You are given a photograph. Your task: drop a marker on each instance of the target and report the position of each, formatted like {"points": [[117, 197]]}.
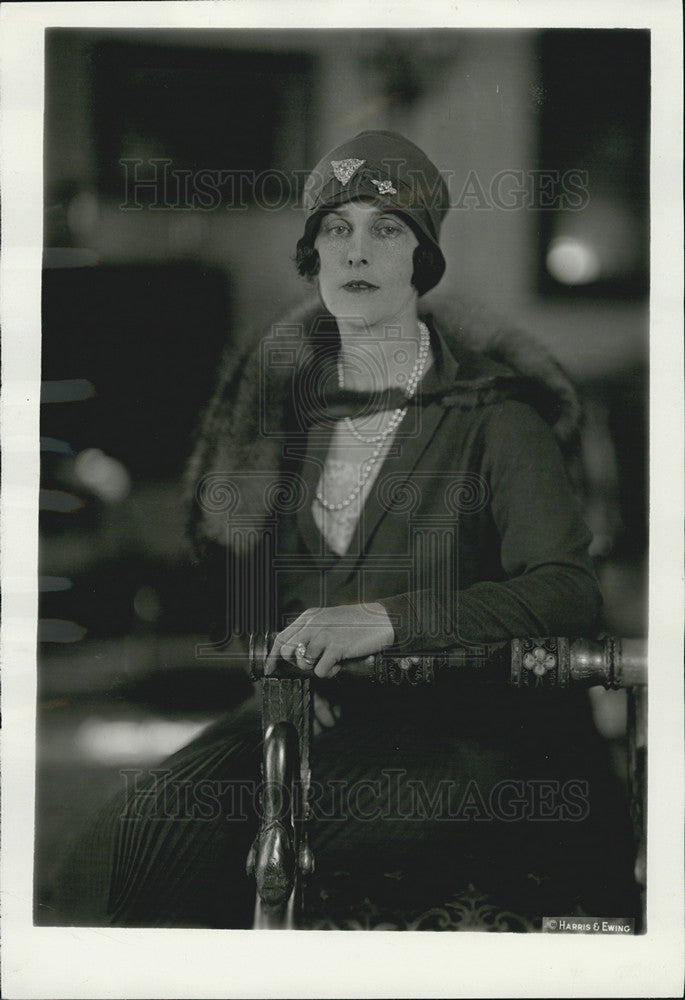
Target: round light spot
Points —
{"points": [[573, 262], [105, 476]]}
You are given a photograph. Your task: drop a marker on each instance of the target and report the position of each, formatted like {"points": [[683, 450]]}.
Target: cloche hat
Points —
{"points": [[389, 168]]}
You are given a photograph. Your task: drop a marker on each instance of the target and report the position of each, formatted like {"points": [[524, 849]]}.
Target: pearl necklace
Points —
{"points": [[379, 439]]}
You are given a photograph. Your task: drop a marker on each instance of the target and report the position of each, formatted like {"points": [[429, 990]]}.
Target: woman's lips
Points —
{"points": [[359, 286]]}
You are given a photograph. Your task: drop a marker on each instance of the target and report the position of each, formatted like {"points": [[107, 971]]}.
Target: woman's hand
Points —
{"points": [[330, 635]]}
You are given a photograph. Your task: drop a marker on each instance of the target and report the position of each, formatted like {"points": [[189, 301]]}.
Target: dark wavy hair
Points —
{"points": [[427, 266]]}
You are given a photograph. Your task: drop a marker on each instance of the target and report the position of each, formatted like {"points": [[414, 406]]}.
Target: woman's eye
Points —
{"points": [[389, 229], [337, 229]]}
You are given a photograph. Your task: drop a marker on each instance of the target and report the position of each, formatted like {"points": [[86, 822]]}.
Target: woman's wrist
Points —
{"points": [[379, 609], [402, 619]]}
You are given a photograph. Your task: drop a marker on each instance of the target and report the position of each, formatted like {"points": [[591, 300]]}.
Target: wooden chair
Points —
{"points": [[280, 858]]}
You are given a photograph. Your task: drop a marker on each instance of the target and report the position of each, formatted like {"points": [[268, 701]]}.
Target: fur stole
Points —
{"points": [[237, 462]]}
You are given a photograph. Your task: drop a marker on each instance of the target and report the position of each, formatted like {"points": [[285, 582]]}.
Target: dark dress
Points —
{"points": [[471, 534]]}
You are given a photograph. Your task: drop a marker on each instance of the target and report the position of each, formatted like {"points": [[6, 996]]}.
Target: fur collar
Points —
{"points": [[238, 456]]}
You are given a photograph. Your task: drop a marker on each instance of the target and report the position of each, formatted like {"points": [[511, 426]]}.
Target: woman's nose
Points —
{"points": [[357, 251]]}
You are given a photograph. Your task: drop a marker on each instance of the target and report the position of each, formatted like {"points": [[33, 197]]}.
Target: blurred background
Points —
{"points": [[174, 164]]}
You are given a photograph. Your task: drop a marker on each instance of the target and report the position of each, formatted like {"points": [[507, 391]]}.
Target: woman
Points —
{"points": [[375, 476]]}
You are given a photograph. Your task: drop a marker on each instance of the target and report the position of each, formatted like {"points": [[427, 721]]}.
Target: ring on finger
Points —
{"points": [[301, 653]]}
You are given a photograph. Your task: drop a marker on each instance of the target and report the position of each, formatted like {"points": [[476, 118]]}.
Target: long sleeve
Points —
{"points": [[550, 587]]}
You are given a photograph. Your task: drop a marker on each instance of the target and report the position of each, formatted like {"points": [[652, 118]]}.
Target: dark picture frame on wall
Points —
{"points": [[593, 130]]}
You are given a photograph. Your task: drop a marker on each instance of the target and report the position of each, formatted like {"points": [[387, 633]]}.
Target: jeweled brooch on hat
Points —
{"points": [[344, 170], [384, 187]]}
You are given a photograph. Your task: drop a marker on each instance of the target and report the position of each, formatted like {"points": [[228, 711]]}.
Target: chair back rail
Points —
{"points": [[528, 662]]}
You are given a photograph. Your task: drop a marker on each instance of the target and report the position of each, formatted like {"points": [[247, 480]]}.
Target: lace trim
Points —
{"points": [[337, 481]]}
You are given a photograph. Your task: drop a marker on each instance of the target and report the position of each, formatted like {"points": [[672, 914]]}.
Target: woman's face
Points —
{"points": [[367, 263]]}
